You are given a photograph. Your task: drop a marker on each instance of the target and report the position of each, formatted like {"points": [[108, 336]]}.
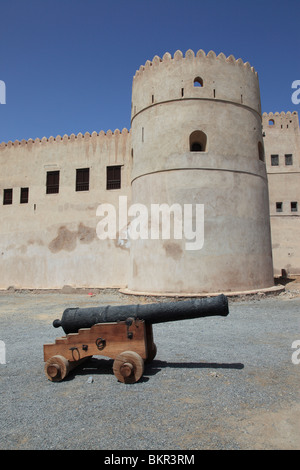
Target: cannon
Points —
{"points": [[123, 333]]}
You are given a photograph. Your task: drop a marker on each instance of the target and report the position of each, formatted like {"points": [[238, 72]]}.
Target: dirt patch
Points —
{"points": [[271, 429]]}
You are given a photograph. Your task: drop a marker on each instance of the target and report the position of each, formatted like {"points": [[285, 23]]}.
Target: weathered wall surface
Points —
{"points": [[282, 137], [228, 176], [51, 241]]}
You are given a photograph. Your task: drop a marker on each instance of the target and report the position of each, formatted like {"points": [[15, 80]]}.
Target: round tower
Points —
{"points": [[197, 145]]}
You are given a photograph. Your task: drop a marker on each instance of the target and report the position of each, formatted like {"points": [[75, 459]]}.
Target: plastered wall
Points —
{"points": [[51, 241], [282, 138]]}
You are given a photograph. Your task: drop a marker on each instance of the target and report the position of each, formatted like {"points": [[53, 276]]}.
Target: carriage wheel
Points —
{"points": [[57, 368], [128, 367]]}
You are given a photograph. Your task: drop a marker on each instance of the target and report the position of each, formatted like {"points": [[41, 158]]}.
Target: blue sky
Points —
{"points": [[68, 64]]}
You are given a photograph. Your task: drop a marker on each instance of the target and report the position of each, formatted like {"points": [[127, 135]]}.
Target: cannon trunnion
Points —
{"points": [[123, 333]]}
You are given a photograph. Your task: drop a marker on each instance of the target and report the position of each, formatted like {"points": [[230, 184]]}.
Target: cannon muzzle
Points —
{"points": [[75, 318]]}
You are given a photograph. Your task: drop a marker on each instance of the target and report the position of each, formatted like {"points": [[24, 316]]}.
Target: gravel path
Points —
{"points": [[216, 383]]}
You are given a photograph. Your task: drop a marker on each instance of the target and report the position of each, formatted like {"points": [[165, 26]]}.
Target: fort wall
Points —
{"points": [[282, 147], [51, 240]]}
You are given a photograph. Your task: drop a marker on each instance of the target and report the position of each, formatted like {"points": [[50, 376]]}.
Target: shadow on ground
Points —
{"points": [[100, 366]]}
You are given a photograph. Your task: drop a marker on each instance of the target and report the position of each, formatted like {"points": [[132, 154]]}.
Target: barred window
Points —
{"points": [[288, 159], [82, 179], [274, 160], [24, 195], [52, 182], [294, 206], [113, 177], [7, 196]]}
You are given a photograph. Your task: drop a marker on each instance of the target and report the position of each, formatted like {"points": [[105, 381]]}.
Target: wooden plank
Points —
{"points": [[113, 337]]}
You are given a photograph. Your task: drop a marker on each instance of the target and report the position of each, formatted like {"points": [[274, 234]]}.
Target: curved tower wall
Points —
{"points": [[228, 176]]}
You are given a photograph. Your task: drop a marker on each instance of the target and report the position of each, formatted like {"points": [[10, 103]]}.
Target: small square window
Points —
{"points": [[52, 183], [113, 177], [83, 179], [7, 196], [288, 159], [278, 206], [294, 206], [24, 194], [274, 160]]}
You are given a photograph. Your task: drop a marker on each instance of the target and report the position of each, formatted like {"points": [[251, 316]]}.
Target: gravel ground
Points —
{"points": [[216, 383]]}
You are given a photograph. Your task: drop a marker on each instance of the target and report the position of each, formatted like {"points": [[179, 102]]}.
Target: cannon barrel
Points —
{"points": [[75, 318]]}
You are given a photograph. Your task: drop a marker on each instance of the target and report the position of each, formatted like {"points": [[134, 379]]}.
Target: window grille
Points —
{"points": [[83, 179], [24, 194], [113, 177], [7, 196], [52, 183]]}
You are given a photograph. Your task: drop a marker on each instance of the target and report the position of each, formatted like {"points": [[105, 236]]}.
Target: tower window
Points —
{"points": [[198, 82], [271, 122], [278, 206], [261, 153], [198, 141], [294, 207], [7, 196], [113, 177], [24, 195], [274, 160], [288, 159], [82, 179], [52, 182]]}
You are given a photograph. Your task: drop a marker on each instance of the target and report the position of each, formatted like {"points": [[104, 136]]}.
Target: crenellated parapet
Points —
{"points": [[279, 121], [195, 76], [189, 55], [87, 136]]}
